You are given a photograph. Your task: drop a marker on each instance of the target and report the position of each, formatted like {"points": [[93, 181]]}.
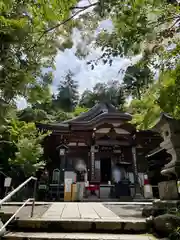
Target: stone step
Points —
{"points": [[81, 225], [73, 236]]}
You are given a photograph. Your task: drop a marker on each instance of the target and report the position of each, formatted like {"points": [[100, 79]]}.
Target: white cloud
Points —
{"points": [[86, 77]]}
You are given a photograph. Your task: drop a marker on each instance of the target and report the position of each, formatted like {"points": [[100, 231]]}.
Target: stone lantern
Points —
{"points": [[169, 129]]}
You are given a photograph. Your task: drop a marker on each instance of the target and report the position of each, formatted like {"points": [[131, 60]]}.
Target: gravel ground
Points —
{"points": [[25, 212], [126, 211]]}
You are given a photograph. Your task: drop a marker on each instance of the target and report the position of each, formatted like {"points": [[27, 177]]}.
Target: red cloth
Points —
{"points": [[146, 181], [92, 187]]}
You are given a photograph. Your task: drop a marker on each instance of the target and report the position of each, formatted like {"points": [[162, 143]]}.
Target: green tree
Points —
{"points": [[169, 92], [162, 96], [111, 92], [87, 99], [28, 43], [137, 79], [67, 97], [26, 140], [146, 110], [32, 115], [146, 27]]}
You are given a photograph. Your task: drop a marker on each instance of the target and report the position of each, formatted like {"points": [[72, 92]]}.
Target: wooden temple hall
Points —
{"points": [[104, 146]]}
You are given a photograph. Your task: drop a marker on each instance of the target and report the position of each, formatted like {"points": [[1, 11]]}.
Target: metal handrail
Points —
{"points": [[17, 189], [13, 216], [28, 200]]}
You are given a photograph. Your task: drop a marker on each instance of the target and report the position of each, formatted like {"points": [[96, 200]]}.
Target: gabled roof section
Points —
{"points": [[98, 110], [52, 126]]}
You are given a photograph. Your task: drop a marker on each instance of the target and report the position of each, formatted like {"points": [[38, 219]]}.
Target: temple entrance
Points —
{"points": [[105, 170]]}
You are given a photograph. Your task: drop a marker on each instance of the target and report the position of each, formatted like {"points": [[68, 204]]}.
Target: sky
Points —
{"points": [[85, 77]]}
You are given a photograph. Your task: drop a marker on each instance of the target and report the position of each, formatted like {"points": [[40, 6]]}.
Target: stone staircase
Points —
{"points": [[106, 225]]}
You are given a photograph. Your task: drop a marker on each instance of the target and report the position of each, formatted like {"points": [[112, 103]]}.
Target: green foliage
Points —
{"points": [[137, 79], [87, 30], [150, 28], [67, 96], [139, 26], [28, 43], [60, 116], [32, 115], [162, 96], [146, 111], [78, 110], [169, 98], [27, 141], [111, 92]]}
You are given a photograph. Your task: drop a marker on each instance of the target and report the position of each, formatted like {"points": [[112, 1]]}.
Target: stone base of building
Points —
{"points": [[168, 190]]}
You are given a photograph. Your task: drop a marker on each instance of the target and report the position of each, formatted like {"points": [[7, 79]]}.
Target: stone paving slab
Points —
{"points": [[126, 211], [78, 211], [54, 211], [87, 212], [71, 211], [25, 212], [104, 212], [73, 236]]}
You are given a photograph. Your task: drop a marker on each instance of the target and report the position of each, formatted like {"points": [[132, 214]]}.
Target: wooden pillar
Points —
{"points": [[62, 167], [89, 166], [92, 163], [138, 194], [93, 155]]}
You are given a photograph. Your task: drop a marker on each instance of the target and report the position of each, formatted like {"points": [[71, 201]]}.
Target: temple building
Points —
{"points": [[102, 143]]}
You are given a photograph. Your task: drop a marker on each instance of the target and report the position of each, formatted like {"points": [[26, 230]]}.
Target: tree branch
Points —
{"points": [[68, 19], [84, 7], [177, 20], [64, 22]]}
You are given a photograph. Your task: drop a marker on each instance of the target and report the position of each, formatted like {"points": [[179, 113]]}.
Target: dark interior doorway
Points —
{"points": [[105, 170]]}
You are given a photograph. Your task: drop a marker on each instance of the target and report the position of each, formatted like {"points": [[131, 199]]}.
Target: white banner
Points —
{"points": [[7, 182], [68, 183]]}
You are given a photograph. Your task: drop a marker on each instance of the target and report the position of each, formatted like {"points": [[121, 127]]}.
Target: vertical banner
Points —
{"points": [[92, 165]]}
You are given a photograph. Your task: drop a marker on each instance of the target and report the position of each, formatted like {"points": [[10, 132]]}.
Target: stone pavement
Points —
{"points": [[79, 211], [78, 236], [127, 210], [111, 203]]}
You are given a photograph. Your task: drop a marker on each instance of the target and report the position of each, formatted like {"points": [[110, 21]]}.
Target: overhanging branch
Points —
{"points": [[64, 22], [68, 19]]}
